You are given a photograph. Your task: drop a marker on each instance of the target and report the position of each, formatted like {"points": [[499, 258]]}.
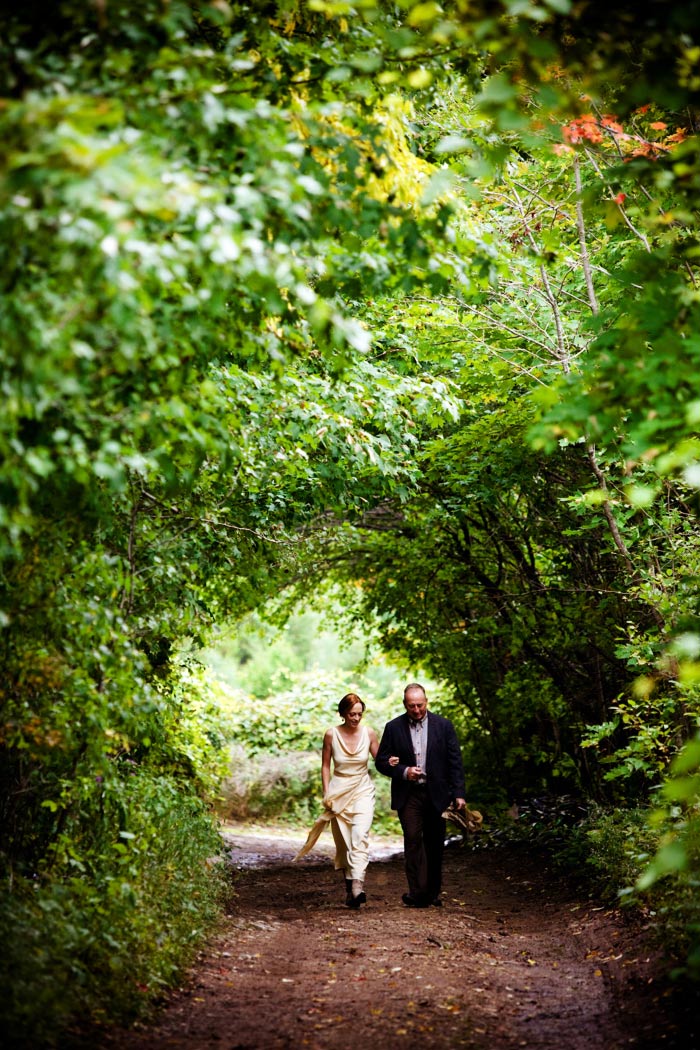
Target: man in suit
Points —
{"points": [[420, 752]]}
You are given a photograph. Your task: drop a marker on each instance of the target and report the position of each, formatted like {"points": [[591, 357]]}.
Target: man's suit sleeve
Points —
{"points": [[387, 748], [455, 767]]}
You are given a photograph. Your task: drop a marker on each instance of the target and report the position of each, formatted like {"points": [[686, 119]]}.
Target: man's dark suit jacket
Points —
{"points": [[443, 761]]}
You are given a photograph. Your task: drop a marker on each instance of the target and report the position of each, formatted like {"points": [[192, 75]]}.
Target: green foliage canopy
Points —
{"points": [[300, 289]]}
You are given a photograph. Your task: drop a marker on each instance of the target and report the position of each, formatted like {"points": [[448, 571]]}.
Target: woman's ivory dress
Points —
{"points": [[349, 806]]}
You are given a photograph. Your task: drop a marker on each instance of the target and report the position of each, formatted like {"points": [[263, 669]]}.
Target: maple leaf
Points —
{"points": [[583, 129], [610, 123]]}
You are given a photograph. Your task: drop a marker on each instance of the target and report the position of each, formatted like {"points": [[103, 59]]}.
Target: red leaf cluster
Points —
{"points": [[593, 130], [589, 128]]}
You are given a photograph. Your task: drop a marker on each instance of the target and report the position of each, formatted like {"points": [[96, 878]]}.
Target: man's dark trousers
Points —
{"points": [[424, 842]]}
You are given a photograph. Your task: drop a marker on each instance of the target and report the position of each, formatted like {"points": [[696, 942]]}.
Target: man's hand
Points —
{"points": [[460, 803], [413, 772]]}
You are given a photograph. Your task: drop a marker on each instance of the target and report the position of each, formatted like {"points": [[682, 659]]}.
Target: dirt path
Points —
{"points": [[512, 959]]}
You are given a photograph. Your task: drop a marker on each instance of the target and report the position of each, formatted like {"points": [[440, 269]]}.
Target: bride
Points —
{"points": [[348, 796]]}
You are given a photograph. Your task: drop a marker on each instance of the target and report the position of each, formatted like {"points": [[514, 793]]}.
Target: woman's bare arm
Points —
{"points": [[326, 761]]}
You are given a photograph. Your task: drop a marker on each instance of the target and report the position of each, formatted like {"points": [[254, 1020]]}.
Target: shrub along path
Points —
{"points": [[514, 958]]}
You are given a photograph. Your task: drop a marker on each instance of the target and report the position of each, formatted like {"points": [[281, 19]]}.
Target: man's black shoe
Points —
{"points": [[436, 902], [414, 902]]}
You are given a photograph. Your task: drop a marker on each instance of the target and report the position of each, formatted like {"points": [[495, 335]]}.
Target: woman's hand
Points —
{"points": [[327, 804], [394, 760]]}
